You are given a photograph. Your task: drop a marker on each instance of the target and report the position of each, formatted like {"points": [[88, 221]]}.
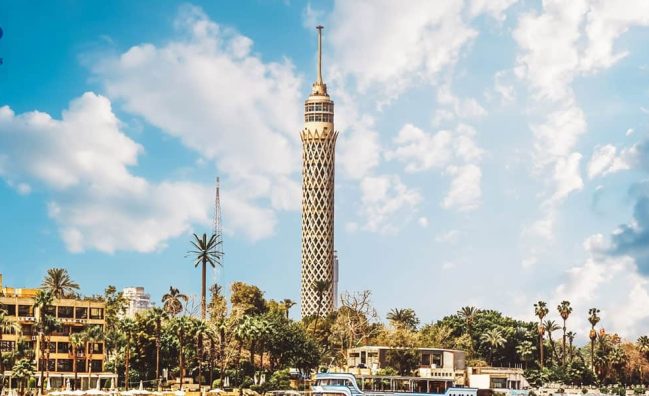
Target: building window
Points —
{"points": [[81, 365], [50, 310], [95, 366], [81, 313], [7, 346], [25, 310], [96, 313], [66, 312], [62, 347], [64, 365], [10, 309], [98, 348]]}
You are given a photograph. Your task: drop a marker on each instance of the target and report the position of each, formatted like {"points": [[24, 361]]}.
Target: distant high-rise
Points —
{"points": [[138, 300], [318, 159]]}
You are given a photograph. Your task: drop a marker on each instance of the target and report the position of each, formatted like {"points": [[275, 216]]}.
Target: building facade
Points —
{"points": [[441, 368], [318, 160], [138, 300], [74, 316]]}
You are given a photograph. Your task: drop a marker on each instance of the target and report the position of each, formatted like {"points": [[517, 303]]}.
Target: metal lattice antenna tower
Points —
{"points": [[218, 225]]}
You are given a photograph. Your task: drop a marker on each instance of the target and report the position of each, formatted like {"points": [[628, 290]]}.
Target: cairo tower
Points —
{"points": [[318, 159]]}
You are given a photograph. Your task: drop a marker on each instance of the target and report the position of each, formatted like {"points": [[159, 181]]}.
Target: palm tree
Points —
{"points": [[403, 318], [571, 339], [172, 302], [564, 310], [43, 302], [77, 343], [541, 310], [92, 335], [156, 317], [128, 329], [58, 282], [494, 338], [320, 287], [288, 304], [525, 350], [181, 327], [23, 370], [468, 313], [643, 344], [206, 252], [200, 331], [6, 326], [551, 326], [593, 318]]}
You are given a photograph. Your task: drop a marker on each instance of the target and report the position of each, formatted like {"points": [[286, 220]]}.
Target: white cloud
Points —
{"points": [[605, 161], [423, 222], [493, 8], [421, 150], [382, 199], [448, 265], [626, 293], [567, 176], [96, 202], [208, 89], [396, 46], [464, 193], [450, 236]]}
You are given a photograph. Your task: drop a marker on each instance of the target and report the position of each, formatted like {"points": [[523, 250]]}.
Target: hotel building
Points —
{"points": [[75, 316]]}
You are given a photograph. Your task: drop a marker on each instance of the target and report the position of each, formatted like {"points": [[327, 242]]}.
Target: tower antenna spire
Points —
{"points": [[218, 225], [319, 80]]}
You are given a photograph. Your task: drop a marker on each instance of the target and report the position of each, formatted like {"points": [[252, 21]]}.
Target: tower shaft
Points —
{"points": [[318, 165]]}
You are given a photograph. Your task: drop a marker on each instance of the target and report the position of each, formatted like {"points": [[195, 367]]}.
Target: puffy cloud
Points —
{"points": [[207, 88], [605, 161], [626, 290], [421, 150], [632, 239], [450, 236], [383, 198], [456, 152], [464, 193], [397, 46], [84, 158]]}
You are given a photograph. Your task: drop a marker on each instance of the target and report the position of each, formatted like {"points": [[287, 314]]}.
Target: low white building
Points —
{"points": [[138, 300], [497, 378]]}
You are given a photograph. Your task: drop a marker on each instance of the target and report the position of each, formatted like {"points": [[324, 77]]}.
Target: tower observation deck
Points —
{"points": [[318, 160]]}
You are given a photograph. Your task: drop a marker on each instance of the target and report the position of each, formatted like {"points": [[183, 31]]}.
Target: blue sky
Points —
{"points": [[491, 152]]}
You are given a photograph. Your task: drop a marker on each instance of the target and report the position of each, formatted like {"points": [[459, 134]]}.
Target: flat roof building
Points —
{"points": [[138, 300], [75, 316]]}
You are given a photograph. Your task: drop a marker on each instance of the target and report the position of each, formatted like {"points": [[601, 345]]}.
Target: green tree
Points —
{"points": [[320, 287], [22, 371], [156, 316], [172, 301], [565, 310], [43, 303], [77, 343], [206, 252], [128, 329], [182, 329], [403, 318], [593, 318], [495, 340], [525, 350], [247, 299], [541, 310], [551, 326], [288, 304], [59, 283], [468, 314], [91, 336]]}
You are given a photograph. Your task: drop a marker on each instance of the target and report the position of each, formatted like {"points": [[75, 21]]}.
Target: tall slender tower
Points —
{"points": [[318, 158]]}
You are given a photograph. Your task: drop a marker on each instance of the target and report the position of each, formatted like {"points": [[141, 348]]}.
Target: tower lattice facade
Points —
{"points": [[318, 160]]}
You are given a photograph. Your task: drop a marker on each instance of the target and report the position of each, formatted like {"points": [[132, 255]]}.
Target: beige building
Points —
{"points": [[444, 367], [318, 160], [75, 316], [497, 378]]}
